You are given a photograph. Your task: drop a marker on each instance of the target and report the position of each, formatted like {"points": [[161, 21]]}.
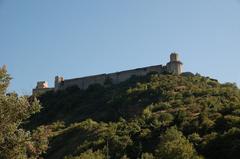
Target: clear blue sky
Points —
{"points": [[43, 38]]}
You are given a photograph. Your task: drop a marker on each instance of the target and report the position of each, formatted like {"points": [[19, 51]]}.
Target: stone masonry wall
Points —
{"points": [[85, 82]]}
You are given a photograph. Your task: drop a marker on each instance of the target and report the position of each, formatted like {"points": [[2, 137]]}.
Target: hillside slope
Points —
{"points": [[154, 116]]}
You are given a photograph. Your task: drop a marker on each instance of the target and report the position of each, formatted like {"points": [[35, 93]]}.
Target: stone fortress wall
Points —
{"points": [[174, 66], [85, 82]]}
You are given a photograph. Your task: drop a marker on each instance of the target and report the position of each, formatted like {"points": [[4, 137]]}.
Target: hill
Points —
{"points": [[153, 116]]}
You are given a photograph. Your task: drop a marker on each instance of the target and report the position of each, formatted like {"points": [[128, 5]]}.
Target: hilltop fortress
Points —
{"points": [[174, 67]]}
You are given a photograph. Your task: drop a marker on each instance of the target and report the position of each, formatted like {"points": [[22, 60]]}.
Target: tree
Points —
{"points": [[4, 79], [15, 142], [89, 154], [147, 156], [174, 145], [224, 146]]}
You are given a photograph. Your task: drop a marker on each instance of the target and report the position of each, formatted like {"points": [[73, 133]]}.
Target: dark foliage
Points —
{"points": [[154, 116]]}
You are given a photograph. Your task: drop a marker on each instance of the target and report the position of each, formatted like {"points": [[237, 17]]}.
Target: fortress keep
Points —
{"points": [[174, 67]]}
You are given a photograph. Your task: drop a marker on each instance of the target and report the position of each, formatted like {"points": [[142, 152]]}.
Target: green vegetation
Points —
{"points": [[150, 117], [155, 116], [15, 142]]}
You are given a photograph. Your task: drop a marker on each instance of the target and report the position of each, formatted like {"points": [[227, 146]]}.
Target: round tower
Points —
{"points": [[175, 65], [174, 57]]}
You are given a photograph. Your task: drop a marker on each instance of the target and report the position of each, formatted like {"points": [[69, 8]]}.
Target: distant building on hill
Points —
{"points": [[42, 87], [174, 67]]}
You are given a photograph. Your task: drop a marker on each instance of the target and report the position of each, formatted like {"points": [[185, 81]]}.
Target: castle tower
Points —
{"points": [[174, 57], [175, 65], [41, 88], [58, 82], [42, 85]]}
